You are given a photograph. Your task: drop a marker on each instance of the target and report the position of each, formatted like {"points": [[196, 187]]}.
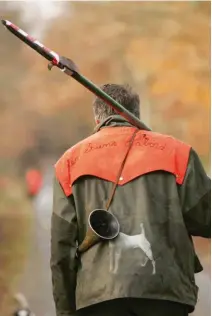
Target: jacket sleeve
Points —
{"points": [[195, 195], [63, 251]]}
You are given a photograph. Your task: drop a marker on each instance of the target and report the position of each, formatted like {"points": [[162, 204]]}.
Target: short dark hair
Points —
{"points": [[123, 94]]}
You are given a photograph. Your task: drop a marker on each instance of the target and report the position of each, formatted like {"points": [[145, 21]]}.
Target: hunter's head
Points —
{"points": [[123, 94]]}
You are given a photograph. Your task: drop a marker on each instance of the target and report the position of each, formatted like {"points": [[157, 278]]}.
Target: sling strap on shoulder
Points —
{"points": [[102, 224], [120, 170]]}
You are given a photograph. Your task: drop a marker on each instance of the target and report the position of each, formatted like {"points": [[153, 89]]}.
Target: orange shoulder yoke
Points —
{"points": [[101, 155]]}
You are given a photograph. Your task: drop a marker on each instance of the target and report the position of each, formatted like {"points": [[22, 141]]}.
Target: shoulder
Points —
{"points": [[74, 149], [168, 138], [171, 142], [174, 150]]}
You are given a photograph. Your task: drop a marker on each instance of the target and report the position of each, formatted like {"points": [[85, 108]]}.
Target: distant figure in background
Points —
{"points": [[34, 181], [23, 309], [162, 198]]}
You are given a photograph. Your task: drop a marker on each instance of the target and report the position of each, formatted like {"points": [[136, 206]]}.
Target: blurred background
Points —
{"points": [[162, 49]]}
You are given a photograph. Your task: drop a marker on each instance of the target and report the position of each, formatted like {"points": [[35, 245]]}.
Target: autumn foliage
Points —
{"points": [[160, 48]]}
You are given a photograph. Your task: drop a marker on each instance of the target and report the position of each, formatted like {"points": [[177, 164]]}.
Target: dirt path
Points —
{"points": [[36, 281]]}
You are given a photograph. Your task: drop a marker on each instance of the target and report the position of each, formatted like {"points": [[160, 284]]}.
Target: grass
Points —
{"points": [[15, 225]]}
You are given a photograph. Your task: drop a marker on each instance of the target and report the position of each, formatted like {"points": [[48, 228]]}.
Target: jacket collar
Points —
{"points": [[113, 121]]}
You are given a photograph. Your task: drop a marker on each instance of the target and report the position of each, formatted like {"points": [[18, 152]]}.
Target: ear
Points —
{"points": [[97, 121]]}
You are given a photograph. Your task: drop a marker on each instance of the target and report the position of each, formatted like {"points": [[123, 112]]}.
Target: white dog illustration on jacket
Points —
{"points": [[125, 242]]}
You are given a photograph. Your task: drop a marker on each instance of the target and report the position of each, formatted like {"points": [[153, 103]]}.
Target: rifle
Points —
{"points": [[103, 225], [67, 66]]}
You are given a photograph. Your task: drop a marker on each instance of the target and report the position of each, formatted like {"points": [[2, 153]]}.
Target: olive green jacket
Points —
{"points": [[153, 257]]}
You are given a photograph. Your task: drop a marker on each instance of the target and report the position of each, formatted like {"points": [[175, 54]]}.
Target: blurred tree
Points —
{"points": [[13, 123]]}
